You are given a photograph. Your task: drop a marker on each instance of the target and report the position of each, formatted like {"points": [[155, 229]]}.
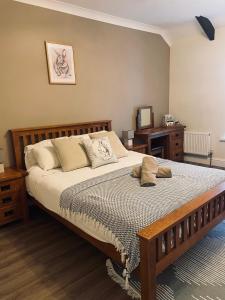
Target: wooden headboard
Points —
{"points": [[27, 136]]}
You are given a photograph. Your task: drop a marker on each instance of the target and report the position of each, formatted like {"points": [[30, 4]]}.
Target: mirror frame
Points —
{"points": [[139, 117]]}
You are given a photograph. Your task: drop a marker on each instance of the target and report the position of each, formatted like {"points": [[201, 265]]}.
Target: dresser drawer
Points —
{"points": [[9, 186], [178, 155], [9, 214], [177, 135], [9, 199], [177, 144]]}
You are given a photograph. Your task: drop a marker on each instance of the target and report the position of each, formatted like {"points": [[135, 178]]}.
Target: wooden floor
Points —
{"points": [[44, 260]]}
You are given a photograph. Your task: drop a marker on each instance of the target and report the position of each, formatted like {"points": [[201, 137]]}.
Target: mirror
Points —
{"points": [[145, 117]]}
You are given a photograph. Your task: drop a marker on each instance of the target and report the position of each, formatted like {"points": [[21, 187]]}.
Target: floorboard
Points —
{"points": [[44, 260]]}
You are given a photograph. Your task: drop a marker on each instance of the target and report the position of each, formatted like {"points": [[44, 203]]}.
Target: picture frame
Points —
{"points": [[60, 61], [145, 117]]}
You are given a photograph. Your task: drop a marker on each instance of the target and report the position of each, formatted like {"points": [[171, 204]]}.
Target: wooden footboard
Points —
{"points": [[168, 238]]}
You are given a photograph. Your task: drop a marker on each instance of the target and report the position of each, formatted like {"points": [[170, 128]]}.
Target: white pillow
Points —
{"points": [[46, 157], [30, 159], [99, 151]]}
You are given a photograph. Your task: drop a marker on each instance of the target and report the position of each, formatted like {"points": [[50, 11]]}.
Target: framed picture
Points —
{"points": [[60, 59]]}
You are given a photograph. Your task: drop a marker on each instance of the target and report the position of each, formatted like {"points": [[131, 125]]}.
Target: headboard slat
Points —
{"points": [[27, 136]]}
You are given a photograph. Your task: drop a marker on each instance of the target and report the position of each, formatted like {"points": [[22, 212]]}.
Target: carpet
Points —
{"points": [[197, 275]]}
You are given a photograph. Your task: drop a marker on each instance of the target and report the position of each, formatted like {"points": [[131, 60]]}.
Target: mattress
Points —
{"points": [[46, 187]]}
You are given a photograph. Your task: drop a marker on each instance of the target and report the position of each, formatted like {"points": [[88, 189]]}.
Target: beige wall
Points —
{"points": [[197, 86], [118, 69]]}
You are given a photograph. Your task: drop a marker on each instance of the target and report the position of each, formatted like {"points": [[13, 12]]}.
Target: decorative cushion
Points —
{"points": [[30, 159], [97, 133], [99, 151], [71, 153], [117, 146], [46, 157]]}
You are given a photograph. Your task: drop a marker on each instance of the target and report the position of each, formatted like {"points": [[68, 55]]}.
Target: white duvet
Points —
{"points": [[47, 186]]}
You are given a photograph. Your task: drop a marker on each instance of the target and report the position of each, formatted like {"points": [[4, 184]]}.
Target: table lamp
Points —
{"points": [[1, 161], [127, 137]]}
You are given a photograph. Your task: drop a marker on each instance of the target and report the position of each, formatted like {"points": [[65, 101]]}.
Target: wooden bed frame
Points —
{"points": [[178, 231]]}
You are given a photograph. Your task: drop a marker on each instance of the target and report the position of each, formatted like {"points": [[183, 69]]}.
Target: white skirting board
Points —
{"points": [[217, 162]]}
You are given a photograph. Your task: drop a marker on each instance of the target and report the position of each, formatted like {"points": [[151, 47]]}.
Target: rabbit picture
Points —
{"points": [[60, 63], [60, 60]]}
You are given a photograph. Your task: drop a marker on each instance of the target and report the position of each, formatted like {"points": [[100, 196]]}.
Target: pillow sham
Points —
{"points": [[99, 151], [30, 159], [71, 153], [46, 157], [117, 147]]}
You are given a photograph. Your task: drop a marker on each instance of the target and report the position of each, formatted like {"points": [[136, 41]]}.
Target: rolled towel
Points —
{"points": [[136, 172], [162, 172], [149, 166]]}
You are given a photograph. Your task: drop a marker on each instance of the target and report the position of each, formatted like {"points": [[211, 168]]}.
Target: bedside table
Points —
{"points": [[13, 202], [141, 148]]}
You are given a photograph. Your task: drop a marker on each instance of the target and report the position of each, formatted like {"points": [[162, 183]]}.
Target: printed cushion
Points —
{"points": [[99, 151], [117, 146]]}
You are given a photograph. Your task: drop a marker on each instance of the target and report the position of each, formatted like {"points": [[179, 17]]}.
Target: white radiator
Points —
{"points": [[197, 143]]}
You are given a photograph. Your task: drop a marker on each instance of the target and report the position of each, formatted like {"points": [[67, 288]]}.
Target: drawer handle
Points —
{"points": [[177, 144], [6, 200], [177, 134], [5, 188], [177, 154], [9, 213]]}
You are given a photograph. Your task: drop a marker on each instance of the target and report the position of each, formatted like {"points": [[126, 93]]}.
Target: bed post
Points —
{"points": [[148, 268]]}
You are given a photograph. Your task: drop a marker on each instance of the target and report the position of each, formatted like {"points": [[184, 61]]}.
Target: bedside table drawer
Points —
{"points": [[13, 200], [142, 150], [9, 213], [8, 199], [9, 186]]}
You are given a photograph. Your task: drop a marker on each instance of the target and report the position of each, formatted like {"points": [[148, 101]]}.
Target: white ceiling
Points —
{"points": [[170, 18], [163, 13]]}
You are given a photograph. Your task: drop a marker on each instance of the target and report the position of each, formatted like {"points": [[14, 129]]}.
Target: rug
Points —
{"points": [[197, 275]]}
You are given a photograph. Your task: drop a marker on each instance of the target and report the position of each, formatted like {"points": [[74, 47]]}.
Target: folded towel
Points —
{"points": [[162, 172], [149, 166]]}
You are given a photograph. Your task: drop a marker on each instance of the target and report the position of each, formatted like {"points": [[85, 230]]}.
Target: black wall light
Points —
{"points": [[207, 27]]}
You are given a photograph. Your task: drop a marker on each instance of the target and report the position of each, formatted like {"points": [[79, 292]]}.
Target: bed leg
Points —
{"points": [[148, 269]]}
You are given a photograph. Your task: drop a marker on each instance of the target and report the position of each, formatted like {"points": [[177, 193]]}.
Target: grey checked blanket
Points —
{"points": [[117, 200]]}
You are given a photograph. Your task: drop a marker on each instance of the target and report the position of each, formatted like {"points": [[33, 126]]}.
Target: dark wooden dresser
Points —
{"points": [[167, 142]]}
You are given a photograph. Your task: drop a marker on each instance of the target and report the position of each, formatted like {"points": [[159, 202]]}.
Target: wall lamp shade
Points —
{"points": [[207, 26]]}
